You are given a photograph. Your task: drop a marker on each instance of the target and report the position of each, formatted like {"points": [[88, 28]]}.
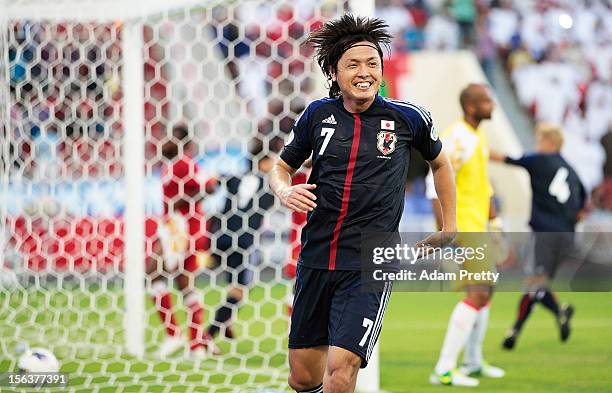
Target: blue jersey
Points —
{"points": [[360, 164], [558, 195]]}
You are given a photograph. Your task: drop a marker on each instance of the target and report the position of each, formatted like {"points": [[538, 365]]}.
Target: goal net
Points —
{"points": [[91, 92]]}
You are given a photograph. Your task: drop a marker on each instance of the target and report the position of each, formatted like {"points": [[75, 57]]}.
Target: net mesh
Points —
{"points": [[233, 76]]}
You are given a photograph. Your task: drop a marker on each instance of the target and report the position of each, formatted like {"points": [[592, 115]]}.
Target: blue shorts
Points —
{"points": [[550, 250], [330, 308]]}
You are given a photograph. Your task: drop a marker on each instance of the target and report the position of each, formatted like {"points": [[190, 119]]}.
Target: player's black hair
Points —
{"points": [[338, 35]]}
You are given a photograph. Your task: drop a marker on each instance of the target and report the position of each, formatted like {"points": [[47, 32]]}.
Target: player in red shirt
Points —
{"points": [[181, 238]]}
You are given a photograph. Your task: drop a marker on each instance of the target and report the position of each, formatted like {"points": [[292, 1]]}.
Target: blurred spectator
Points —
{"points": [[485, 48], [558, 54], [399, 19], [532, 33], [519, 58], [602, 195], [598, 108], [464, 12], [503, 23], [415, 38], [442, 32], [46, 150], [606, 141], [585, 23], [230, 41], [586, 156], [63, 101], [395, 14]]}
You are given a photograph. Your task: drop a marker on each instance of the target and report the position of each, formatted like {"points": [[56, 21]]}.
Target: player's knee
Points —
{"points": [[343, 373], [479, 298], [535, 282], [485, 298], [342, 378], [300, 381]]}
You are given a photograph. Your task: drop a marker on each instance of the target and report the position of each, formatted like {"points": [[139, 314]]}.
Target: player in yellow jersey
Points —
{"points": [[468, 150]]}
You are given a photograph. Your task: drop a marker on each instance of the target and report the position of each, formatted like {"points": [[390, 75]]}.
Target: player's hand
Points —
{"points": [[299, 198], [496, 156], [435, 240]]}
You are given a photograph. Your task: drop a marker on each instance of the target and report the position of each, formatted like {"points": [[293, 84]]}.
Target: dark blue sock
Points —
{"points": [[548, 300]]}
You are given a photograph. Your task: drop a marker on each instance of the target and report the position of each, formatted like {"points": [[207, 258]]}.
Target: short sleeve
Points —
{"points": [[298, 146], [426, 139], [526, 161]]}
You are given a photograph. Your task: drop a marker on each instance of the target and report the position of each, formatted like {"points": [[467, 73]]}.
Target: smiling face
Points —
{"points": [[359, 74]]}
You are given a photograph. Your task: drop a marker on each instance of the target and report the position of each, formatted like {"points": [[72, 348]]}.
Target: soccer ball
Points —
{"points": [[38, 360]]}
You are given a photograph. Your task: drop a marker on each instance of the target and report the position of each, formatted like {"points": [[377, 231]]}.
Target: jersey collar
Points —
{"points": [[377, 101], [469, 126]]}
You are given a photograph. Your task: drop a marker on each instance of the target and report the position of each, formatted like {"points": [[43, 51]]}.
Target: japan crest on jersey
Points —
{"points": [[385, 142]]}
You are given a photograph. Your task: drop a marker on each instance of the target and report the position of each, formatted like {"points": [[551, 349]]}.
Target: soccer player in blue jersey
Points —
{"points": [[360, 146], [558, 200]]}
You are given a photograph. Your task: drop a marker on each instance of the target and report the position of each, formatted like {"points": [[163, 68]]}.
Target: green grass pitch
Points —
{"points": [[413, 330], [415, 324]]}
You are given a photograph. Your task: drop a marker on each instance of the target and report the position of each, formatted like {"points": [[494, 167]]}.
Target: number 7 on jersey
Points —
{"points": [[327, 133], [367, 323]]}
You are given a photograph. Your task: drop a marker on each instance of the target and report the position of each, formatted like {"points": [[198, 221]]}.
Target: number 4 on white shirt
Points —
{"points": [[559, 187]]}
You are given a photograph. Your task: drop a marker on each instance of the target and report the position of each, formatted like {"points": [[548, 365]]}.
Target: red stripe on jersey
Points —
{"points": [[333, 246]]}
